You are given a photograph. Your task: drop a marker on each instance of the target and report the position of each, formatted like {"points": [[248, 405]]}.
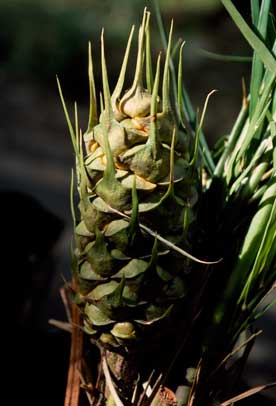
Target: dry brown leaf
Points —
{"points": [[73, 380]]}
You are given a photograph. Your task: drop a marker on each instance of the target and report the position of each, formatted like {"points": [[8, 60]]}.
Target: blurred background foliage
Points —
{"points": [[45, 36], [41, 38]]}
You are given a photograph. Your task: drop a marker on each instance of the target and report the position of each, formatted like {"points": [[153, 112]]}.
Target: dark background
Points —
{"points": [[42, 38]]}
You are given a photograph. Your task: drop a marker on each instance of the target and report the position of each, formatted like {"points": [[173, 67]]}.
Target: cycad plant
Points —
{"points": [[172, 252]]}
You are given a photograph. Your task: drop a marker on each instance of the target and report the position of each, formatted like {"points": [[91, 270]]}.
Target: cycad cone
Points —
{"points": [[135, 171]]}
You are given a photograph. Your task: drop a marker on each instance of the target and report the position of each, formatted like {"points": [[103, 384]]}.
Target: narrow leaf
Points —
{"points": [[257, 65], [255, 11], [257, 44], [223, 57]]}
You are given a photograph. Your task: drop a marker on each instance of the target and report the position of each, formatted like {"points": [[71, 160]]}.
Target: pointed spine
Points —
{"points": [[154, 253], [93, 115], [199, 128], [82, 177], [170, 190], [120, 83], [78, 143], [149, 74], [101, 102], [72, 205], [153, 139], [166, 105], [138, 77], [172, 159], [179, 86], [133, 224], [70, 127], [106, 89], [107, 116]]}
